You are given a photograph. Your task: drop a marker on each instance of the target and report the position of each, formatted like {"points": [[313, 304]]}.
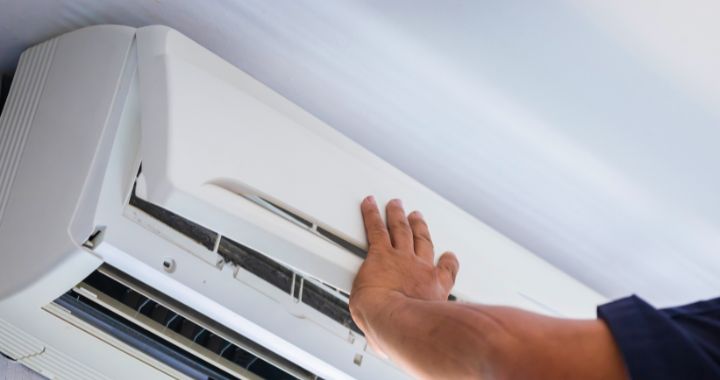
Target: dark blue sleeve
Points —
{"points": [[676, 343]]}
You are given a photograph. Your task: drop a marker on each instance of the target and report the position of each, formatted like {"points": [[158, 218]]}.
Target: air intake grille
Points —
{"points": [[291, 283], [316, 294], [253, 262], [331, 302]]}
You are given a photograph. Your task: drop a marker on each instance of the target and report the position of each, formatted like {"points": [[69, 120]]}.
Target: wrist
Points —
{"points": [[373, 307]]}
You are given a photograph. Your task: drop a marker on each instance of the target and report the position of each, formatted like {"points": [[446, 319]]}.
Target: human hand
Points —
{"points": [[399, 266]]}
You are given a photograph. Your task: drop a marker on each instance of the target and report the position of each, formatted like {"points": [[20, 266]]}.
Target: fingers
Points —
{"points": [[421, 237], [375, 229], [448, 267], [400, 233]]}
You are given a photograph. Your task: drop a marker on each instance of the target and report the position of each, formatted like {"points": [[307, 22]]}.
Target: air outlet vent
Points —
{"points": [[170, 332]]}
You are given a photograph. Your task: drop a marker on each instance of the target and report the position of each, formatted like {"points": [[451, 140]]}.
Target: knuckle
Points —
{"points": [[424, 239], [399, 224], [377, 246], [449, 274], [377, 228]]}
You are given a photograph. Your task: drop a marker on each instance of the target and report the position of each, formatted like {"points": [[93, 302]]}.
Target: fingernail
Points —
{"points": [[397, 202], [370, 199], [418, 214]]}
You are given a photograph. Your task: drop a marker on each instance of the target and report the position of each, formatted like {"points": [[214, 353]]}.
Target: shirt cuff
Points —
{"points": [[652, 346]]}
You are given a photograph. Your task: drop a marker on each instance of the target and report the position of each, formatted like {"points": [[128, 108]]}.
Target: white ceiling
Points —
{"points": [[585, 130]]}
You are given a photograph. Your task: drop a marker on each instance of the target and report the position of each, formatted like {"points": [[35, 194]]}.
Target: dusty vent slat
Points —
{"points": [[194, 231], [282, 277], [256, 263], [291, 214], [348, 246], [307, 224], [352, 248], [329, 305]]}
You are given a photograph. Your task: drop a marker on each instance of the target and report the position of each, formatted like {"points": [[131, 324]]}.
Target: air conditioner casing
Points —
{"points": [[91, 109]]}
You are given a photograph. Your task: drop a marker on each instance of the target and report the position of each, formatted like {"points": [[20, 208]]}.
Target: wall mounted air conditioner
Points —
{"points": [[163, 214]]}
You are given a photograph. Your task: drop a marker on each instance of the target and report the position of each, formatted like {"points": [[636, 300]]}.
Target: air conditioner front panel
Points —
{"points": [[214, 137]]}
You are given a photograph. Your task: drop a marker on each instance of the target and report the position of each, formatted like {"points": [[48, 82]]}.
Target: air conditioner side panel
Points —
{"points": [[60, 117]]}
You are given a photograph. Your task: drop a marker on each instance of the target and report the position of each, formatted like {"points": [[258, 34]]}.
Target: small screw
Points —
{"points": [[169, 265]]}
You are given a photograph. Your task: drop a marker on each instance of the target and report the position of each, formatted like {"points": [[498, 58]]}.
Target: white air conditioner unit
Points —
{"points": [[163, 214]]}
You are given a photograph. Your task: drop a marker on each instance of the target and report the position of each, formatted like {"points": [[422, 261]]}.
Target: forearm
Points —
{"points": [[435, 339], [399, 300]]}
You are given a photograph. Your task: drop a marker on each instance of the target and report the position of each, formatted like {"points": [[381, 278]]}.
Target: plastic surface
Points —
{"points": [[44, 219]]}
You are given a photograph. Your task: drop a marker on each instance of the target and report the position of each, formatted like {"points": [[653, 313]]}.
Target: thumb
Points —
{"points": [[448, 267]]}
